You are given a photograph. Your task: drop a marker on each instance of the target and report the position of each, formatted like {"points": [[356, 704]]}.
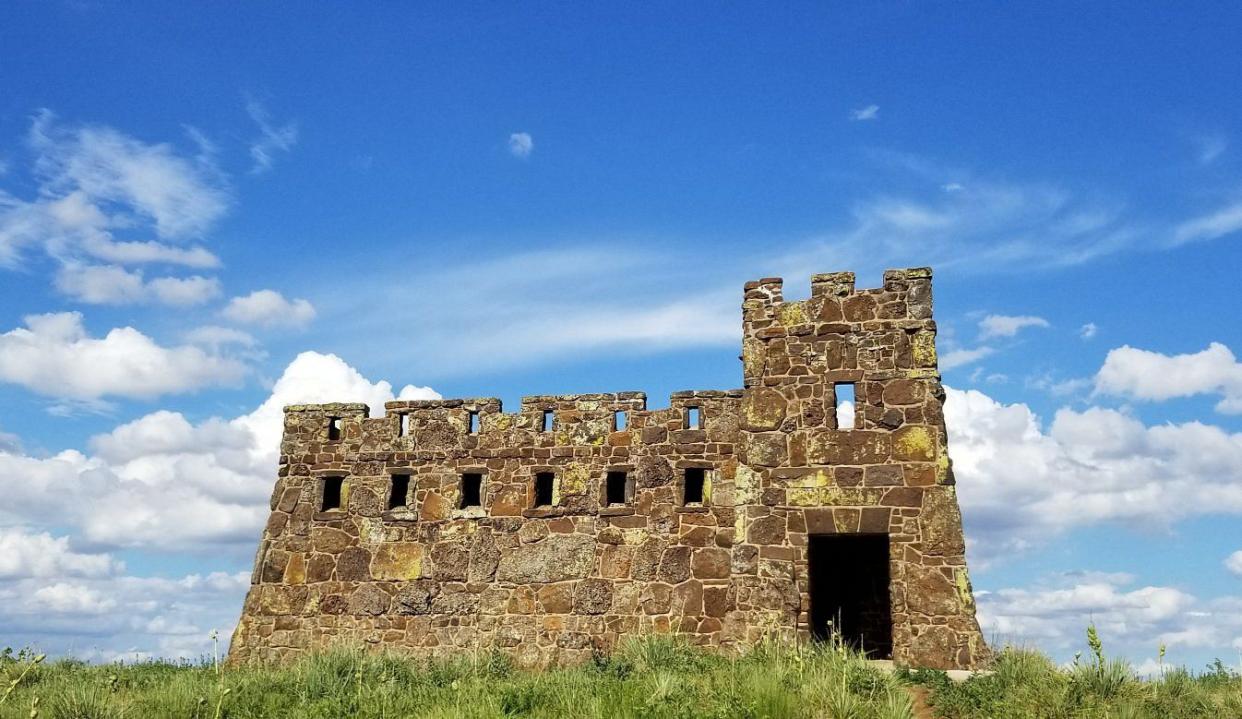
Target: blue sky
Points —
{"points": [[555, 198]]}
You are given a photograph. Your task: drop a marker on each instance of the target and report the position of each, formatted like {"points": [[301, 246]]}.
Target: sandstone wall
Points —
{"points": [[554, 583]]}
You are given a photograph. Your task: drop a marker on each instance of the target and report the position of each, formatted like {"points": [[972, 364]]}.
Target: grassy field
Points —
{"points": [[651, 678]]}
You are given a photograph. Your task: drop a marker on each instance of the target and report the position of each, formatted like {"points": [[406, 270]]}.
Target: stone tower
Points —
{"points": [[784, 508]]}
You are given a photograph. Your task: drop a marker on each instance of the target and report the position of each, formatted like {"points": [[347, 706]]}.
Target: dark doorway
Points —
{"points": [[849, 591]]}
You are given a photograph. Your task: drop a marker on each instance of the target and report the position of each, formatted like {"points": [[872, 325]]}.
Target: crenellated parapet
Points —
{"points": [[818, 498]]}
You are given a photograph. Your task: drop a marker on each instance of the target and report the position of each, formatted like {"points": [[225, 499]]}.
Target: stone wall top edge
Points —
{"points": [[487, 402], [329, 407], [707, 394], [836, 283]]}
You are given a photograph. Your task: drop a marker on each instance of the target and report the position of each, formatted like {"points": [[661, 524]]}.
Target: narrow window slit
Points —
{"points": [[620, 420], [334, 429], [694, 418], [846, 405], [471, 490], [543, 489], [617, 488], [331, 497], [692, 486], [403, 427], [474, 422], [546, 426], [399, 493]]}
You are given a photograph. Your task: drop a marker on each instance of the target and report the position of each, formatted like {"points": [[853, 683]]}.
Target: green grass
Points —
{"points": [[649, 678]]}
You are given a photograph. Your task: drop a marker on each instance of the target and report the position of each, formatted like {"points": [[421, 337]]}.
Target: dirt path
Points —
{"points": [[921, 709]]}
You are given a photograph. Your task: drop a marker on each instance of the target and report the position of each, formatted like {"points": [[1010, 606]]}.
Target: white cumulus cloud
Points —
{"points": [[269, 308], [1234, 563], [113, 285], [1151, 376], [163, 482], [1021, 483], [24, 554], [54, 355]]}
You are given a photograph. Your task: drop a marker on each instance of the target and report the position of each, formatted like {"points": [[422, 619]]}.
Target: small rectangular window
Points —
{"points": [[334, 429], [543, 489], [403, 425], [399, 493], [694, 418], [474, 423], [692, 487], [331, 498], [620, 419], [846, 405], [617, 488], [471, 490], [546, 426]]}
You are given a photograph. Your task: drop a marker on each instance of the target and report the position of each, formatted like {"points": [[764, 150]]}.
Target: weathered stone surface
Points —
{"points": [[710, 563], [767, 530], [930, 592], [354, 565], [620, 548], [368, 599], [415, 597], [397, 560], [942, 523], [484, 558], [592, 596], [450, 561], [555, 559], [763, 409], [674, 565]]}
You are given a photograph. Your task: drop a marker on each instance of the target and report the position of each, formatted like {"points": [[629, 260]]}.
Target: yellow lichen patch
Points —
{"points": [[820, 478], [501, 422], [914, 443], [634, 536], [811, 496], [345, 494], [942, 469], [707, 487], [754, 357], [924, 349], [295, 570], [370, 531], [746, 485], [791, 313], [961, 580], [398, 560]]}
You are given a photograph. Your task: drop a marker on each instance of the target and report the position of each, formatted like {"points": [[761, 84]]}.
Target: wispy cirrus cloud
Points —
{"points": [[870, 112], [1007, 325], [105, 200], [272, 138], [1211, 226]]}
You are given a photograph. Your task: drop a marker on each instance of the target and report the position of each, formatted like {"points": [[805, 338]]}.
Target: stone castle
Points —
{"points": [[781, 509]]}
